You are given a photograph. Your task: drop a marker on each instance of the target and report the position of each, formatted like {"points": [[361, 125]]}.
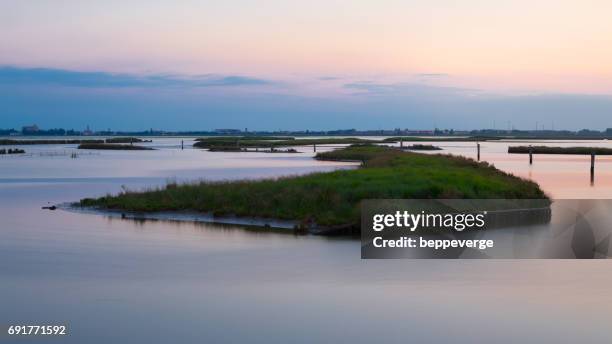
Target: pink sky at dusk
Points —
{"points": [[498, 46]]}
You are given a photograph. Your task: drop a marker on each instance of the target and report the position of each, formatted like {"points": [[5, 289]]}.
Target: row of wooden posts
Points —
{"points": [[531, 158]]}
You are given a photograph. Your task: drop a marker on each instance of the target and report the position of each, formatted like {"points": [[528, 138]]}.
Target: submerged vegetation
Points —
{"points": [[559, 150], [332, 198], [112, 146]]}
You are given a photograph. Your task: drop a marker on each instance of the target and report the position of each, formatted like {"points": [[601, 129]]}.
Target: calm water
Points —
{"points": [[125, 281], [562, 176]]}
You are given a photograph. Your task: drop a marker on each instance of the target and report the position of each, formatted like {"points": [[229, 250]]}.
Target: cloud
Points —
{"points": [[405, 89], [60, 77], [329, 78], [235, 101]]}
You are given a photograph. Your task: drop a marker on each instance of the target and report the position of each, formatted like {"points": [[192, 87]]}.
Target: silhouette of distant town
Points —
{"points": [[35, 130]]}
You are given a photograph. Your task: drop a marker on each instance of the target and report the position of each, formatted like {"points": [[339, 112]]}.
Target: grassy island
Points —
{"points": [[332, 198], [560, 150], [268, 142], [70, 141], [252, 150], [422, 147], [111, 146], [125, 140], [45, 142], [440, 139]]}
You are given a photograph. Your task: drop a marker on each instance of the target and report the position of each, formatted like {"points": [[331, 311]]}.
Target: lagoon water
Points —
{"points": [[113, 280]]}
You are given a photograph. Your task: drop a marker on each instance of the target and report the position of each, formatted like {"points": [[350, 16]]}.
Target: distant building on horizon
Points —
{"points": [[30, 129], [87, 131]]}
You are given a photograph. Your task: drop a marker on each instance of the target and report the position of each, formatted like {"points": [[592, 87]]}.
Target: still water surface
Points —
{"points": [[114, 280]]}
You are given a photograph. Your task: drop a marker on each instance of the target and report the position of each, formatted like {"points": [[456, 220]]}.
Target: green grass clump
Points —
{"points": [[560, 150], [333, 198]]}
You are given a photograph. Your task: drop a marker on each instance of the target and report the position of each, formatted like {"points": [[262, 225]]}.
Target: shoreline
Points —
{"points": [[263, 224], [502, 219]]}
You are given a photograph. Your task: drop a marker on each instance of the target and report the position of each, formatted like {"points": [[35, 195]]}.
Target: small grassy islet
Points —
{"points": [[111, 146], [332, 198]]}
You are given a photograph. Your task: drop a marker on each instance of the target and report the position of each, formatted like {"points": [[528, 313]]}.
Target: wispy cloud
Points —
{"points": [[329, 78], [432, 75], [61, 77], [404, 89]]}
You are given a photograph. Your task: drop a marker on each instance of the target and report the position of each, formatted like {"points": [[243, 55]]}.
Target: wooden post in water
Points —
{"points": [[182, 145], [592, 167], [530, 155], [314, 148], [401, 142], [478, 151]]}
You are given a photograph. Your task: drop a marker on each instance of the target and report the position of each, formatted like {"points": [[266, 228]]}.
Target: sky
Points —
{"points": [[317, 64]]}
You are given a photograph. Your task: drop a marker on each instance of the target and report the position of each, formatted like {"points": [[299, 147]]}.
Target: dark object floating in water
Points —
{"points": [[11, 151], [50, 207]]}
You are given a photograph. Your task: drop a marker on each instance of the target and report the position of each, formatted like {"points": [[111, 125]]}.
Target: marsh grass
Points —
{"points": [[440, 139], [332, 198], [251, 149], [111, 146], [268, 142], [125, 140], [422, 147], [45, 142]]}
